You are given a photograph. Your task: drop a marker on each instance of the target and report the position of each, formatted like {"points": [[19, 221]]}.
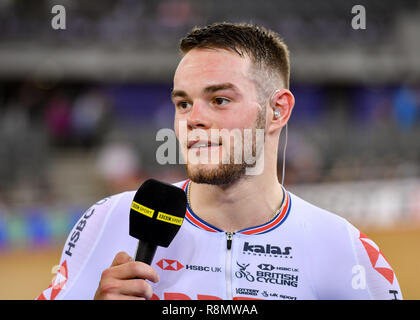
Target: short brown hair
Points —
{"points": [[264, 47]]}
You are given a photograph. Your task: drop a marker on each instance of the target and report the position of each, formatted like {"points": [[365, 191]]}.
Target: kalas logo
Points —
{"points": [[172, 265], [267, 249]]}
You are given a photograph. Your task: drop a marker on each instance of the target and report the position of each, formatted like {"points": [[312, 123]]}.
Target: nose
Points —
{"points": [[199, 116]]}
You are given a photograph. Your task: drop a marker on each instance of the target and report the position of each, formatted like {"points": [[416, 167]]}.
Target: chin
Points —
{"points": [[222, 174]]}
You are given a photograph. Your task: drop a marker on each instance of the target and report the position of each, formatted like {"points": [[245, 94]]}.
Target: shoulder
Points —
{"points": [[359, 270], [127, 196], [181, 184], [121, 202], [317, 219], [100, 232], [96, 228], [332, 235]]}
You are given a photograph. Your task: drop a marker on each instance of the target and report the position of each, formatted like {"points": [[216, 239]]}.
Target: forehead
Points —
{"points": [[203, 67]]}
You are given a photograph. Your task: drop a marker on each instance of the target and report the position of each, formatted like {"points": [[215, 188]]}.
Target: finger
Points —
{"points": [[122, 297], [121, 258], [136, 288], [133, 270]]}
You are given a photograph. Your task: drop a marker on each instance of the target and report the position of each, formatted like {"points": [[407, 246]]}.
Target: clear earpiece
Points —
{"points": [[277, 113]]}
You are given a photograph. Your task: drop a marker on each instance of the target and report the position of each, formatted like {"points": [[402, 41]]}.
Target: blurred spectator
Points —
{"points": [[58, 119], [120, 167], [414, 204], [303, 160], [13, 125], [164, 115], [310, 104], [174, 13], [405, 108], [88, 117], [371, 105]]}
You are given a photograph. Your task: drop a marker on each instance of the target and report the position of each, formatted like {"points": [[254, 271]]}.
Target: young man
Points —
{"points": [[244, 236]]}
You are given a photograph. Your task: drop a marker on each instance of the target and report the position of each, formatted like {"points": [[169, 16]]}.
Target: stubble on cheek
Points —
{"points": [[225, 172]]}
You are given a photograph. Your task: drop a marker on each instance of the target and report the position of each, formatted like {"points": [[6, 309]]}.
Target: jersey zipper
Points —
{"points": [[228, 274]]}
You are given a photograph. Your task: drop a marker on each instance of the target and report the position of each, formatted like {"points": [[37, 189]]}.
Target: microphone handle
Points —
{"points": [[145, 252]]}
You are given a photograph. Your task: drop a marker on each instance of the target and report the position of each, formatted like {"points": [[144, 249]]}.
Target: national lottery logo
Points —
{"points": [[247, 292]]}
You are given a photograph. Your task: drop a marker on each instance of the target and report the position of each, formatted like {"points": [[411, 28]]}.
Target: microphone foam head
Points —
{"points": [[157, 212]]}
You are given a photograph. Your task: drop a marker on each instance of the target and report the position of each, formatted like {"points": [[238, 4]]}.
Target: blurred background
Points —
{"points": [[80, 109]]}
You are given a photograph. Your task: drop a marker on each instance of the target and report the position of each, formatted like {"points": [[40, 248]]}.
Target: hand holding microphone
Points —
{"points": [[156, 214], [125, 280]]}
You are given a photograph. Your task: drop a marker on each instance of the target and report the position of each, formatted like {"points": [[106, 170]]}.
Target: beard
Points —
{"points": [[232, 172]]}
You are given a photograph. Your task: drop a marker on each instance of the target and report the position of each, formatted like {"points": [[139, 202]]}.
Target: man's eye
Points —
{"points": [[183, 105], [220, 101]]}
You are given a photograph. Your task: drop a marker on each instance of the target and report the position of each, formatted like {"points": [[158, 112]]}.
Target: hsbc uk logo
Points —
{"points": [[175, 265], [172, 265], [270, 267]]}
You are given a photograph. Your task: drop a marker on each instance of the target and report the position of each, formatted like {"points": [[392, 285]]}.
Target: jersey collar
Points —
{"points": [[277, 220]]}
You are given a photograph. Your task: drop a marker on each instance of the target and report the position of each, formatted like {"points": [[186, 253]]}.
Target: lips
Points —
{"points": [[202, 144]]}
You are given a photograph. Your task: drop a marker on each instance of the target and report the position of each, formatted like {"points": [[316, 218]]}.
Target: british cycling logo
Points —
{"points": [[243, 273], [278, 278], [175, 265], [268, 249]]}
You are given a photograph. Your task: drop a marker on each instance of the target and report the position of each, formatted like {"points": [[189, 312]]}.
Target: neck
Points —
{"points": [[250, 201]]}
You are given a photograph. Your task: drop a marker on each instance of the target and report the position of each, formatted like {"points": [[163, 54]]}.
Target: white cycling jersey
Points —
{"points": [[304, 252]]}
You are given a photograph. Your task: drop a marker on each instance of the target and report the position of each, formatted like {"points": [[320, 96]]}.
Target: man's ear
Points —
{"points": [[282, 102]]}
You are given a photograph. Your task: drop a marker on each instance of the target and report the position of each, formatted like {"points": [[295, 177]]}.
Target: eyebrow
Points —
{"points": [[209, 89], [222, 86]]}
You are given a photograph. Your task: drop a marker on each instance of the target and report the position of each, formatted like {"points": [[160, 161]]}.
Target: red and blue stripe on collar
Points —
{"points": [[278, 219]]}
